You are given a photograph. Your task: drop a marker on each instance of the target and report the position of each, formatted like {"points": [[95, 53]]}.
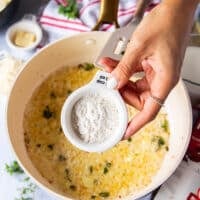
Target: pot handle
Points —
{"points": [[108, 13], [109, 9]]}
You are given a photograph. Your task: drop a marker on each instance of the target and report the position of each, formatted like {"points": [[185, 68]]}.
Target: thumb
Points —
{"points": [[125, 68]]}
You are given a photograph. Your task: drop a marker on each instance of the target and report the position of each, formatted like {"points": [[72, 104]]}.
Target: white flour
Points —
{"points": [[94, 118]]}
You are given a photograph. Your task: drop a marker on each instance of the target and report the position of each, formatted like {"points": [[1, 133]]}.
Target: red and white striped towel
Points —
{"points": [[58, 25]]}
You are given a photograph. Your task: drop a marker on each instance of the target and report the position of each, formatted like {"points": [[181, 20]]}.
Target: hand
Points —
{"points": [[157, 48]]}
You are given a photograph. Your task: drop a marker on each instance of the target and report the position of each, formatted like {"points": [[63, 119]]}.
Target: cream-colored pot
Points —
{"points": [[72, 51]]}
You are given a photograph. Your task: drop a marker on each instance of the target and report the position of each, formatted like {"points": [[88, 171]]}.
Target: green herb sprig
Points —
{"points": [[27, 191], [14, 168], [70, 10]]}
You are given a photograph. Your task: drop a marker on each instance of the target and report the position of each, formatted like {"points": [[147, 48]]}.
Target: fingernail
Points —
{"points": [[112, 83]]}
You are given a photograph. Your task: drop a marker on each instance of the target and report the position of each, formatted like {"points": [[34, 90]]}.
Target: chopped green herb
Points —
{"points": [[108, 164], [66, 171], [38, 145], [68, 175], [61, 157], [105, 170], [14, 168], [104, 194], [47, 113], [27, 179], [69, 92], [70, 10], [129, 139], [50, 146], [93, 197], [27, 190], [91, 169], [52, 95], [165, 126], [86, 66], [159, 141], [72, 187]]}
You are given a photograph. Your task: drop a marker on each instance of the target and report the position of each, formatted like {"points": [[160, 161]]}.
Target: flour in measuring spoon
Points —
{"points": [[95, 118]]}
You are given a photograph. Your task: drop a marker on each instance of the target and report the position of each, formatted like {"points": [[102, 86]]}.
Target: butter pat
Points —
{"points": [[24, 38]]}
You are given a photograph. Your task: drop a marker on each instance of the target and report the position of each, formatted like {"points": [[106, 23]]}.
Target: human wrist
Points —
{"points": [[187, 6], [182, 11]]}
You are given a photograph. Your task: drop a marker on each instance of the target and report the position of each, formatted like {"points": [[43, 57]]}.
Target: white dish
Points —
{"points": [[28, 24], [96, 86]]}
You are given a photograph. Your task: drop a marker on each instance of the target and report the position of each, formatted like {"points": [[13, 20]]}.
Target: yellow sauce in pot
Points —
{"points": [[126, 168]]}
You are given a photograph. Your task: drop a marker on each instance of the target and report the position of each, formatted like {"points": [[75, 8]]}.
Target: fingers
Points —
{"points": [[108, 63], [135, 93], [142, 85], [159, 88], [124, 70], [129, 64], [148, 113], [131, 97]]}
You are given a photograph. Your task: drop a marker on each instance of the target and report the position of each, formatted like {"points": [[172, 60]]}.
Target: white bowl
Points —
{"points": [[28, 24], [108, 93]]}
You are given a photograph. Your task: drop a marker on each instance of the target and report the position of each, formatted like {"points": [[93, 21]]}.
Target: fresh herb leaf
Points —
{"points": [[159, 141], [104, 194], [14, 168], [61, 157], [68, 175], [93, 197], [72, 187], [86, 66], [108, 164], [105, 170], [52, 95], [47, 113], [69, 92], [26, 179], [27, 190], [91, 169], [38, 145], [70, 10], [165, 126], [50, 146]]}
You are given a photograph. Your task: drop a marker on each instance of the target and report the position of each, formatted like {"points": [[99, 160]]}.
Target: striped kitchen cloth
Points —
{"points": [[57, 25]]}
